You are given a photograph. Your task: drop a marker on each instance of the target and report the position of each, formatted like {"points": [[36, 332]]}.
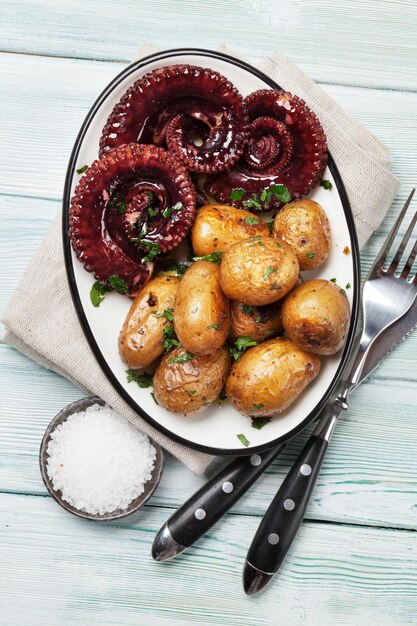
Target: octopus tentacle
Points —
{"points": [[270, 143], [195, 112], [287, 146], [135, 202]]}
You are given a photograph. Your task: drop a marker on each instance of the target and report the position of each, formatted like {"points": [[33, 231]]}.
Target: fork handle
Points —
{"points": [[280, 523]]}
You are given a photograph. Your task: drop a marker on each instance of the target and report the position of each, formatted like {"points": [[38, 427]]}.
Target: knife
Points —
{"points": [[287, 509]]}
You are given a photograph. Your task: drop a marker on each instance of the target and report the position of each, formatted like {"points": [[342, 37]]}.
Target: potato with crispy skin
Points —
{"points": [[140, 340], [258, 271], [202, 311], [269, 377], [186, 383], [218, 226], [316, 316], [304, 227], [257, 322]]}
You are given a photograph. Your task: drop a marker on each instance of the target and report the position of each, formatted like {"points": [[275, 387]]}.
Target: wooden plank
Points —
{"points": [[56, 569], [46, 99], [368, 476], [355, 43]]}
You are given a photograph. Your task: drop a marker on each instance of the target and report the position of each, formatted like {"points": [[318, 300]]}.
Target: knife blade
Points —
{"points": [[388, 341]]}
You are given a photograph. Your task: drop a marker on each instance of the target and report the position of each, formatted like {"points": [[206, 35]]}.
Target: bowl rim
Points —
{"points": [[165, 55], [135, 505]]}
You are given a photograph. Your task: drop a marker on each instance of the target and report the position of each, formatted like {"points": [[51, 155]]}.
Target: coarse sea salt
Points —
{"points": [[98, 461]]}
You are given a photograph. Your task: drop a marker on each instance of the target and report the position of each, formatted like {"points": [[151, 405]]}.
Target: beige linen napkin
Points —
{"points": [[41, 321]]}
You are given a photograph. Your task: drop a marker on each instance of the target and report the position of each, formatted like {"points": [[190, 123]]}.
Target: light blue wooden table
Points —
{"points": [[355, 561]]}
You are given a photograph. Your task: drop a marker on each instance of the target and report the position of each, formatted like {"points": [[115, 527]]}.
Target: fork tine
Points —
{"points": [[409, 263], [398, 255], [382, 255]]}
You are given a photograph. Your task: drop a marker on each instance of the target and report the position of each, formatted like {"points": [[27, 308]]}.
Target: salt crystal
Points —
{"points": [[98, 461]]}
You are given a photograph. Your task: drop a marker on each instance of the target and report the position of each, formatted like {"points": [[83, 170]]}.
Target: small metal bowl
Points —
{"points": [[137, 503]]}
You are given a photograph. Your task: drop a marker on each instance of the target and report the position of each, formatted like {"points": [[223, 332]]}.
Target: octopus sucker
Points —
{"points": [[131, 205], [194, 112], [286, 146]]}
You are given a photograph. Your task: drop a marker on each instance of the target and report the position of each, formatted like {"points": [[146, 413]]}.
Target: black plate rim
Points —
{"points": [[159, 56]]}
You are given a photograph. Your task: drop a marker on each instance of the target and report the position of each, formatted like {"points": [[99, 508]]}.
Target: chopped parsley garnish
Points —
{"points": [[310, 255], [153, 396], [143, 380], [260, 422], [82, 169], [244, 440], [214, 257], [121, 207], [256, 240], [170, 265], [182, 358], [269, 271], [326, 184], [97, 293], [149, 194], [333, 280], [240, 346], [343, 292], [280, 192], [258, 319], [191, 392], [237, 194], [248, 309], [256, 407], [168, 314], [348, 286], [170, 339], [151, 248], [118, 283], [251, 220], [152, 212], [168, 210], [215, 326], [253, 203]]}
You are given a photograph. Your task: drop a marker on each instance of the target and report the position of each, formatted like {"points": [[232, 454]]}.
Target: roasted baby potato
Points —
{"points": [[304, 227], [258, 271], [186, 383], [269, 377], [316, 316], [257, 322], [202, 311], [218, 226], [140, 340]]}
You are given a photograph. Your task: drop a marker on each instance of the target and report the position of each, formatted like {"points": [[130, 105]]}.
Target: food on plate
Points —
{"points": [[304, 227], [286, 147], [258, 271], [202, 311], [131, 205], [142, 335], [257, 322], [269, 377], [218, 226], [316, 316], [194, 112], [188, 383], [182, 137]]}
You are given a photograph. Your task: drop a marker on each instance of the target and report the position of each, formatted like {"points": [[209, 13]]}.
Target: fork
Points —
{"points": [[386, 297]]}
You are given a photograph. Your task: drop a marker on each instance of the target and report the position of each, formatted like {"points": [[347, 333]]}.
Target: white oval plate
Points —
{"points": [[215, 430]]}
